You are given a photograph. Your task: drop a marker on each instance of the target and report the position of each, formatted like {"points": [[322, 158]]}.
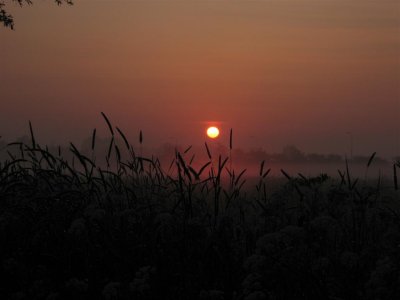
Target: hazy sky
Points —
{"points": [[278, 72]]}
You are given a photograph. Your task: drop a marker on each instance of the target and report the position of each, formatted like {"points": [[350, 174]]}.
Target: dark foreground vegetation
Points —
{"points": [[133, 230]]}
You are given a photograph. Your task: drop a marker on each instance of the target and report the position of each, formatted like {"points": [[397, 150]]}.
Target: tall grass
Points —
{"points": [[75, 228]]}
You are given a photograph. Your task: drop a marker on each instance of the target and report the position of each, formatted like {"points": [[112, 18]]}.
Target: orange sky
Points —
{"points": [[278, 72]]}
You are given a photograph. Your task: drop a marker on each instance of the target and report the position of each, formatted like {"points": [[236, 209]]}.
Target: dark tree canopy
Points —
{"points": [[8, 20]]}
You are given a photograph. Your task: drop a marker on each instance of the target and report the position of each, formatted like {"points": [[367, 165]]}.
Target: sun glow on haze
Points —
{"points": [[212, 132]]}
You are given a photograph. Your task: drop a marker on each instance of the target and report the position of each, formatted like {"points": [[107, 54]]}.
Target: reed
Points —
{"points": [[189, 232]]}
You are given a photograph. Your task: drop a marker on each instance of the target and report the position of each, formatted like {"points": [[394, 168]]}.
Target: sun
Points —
{"points": [[212, 132]]}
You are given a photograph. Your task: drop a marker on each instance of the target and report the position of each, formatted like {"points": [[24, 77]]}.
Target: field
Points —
{"points": [[130, 228]]}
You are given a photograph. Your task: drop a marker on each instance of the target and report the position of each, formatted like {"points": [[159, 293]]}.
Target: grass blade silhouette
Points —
{"points": [[108, 123]]}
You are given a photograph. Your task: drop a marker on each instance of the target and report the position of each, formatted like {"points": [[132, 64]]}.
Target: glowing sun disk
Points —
{"points": [[212, 132]]}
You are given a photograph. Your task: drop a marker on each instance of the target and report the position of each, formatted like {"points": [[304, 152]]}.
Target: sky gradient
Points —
{"points": [[301, 72]]}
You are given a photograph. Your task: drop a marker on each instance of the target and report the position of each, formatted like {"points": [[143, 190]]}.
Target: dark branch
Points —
{"points": [[8, 20]]}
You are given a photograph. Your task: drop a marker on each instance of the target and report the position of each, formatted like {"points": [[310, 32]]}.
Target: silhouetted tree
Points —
{"points": [[8, 20], [292, 153]]}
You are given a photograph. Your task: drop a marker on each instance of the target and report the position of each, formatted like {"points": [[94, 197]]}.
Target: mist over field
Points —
{"points": [[290, 158]]}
